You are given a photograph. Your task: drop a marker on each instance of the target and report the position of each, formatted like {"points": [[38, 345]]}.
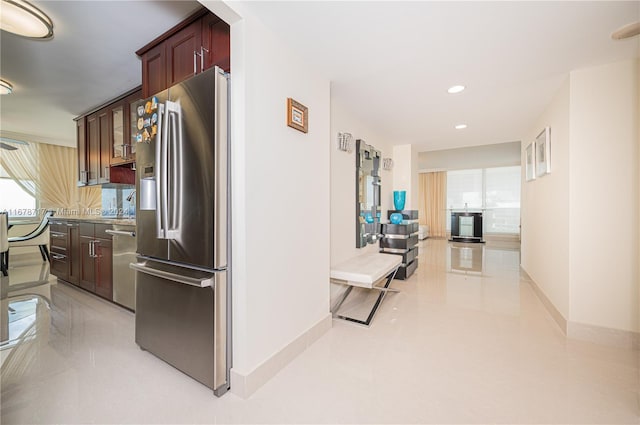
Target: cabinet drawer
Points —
{"points": [[58, 239], [59, 265], [100, 231], [87, 229], [57, 226]]}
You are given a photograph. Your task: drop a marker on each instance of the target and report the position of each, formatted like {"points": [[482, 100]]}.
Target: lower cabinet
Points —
{"points": [[96, 259], [65, 250], [82, 254]]}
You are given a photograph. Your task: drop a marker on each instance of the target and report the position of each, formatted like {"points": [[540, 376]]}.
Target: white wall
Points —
{"points": [[486, 156], [580, 223], [343, 182], [604, 196], [280, 197], [545, 208], [405, 174]]}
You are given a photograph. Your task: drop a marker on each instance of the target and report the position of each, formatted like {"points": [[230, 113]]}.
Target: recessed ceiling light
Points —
{"points": [[5, 87], [455, 89], [23, 18], [627, 31], [461, 126]]}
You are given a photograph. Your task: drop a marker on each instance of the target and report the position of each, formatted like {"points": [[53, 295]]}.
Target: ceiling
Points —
{"points": [[389, 62]]}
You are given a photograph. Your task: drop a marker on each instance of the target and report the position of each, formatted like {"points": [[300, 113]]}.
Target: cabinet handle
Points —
{"points": [[202, 51], [195, 54], [56, 235], [99, 254], [91, 249], [58, 256], [106, 172]]}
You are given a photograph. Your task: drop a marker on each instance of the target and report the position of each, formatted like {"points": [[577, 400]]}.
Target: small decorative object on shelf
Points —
{"points": [[395, 218], [402, 239], [399, 197]]}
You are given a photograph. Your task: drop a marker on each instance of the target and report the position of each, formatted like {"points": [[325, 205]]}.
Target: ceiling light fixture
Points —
{"points": [[24, 19], [627, 31], [455, 89], [5, 87], [461, 126]]}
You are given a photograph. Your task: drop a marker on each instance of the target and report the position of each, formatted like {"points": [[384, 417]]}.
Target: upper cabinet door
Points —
{"points": [[216, 42], [182, 50], [119, 151], [154, 71], [104, 131], [82, 151], [93, 149]]}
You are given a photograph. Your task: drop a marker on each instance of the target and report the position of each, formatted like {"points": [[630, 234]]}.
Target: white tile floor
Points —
{"points": [[466, 341]]}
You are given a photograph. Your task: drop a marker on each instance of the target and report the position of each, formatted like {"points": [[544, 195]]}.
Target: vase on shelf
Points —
{"points": [[399, 197]]}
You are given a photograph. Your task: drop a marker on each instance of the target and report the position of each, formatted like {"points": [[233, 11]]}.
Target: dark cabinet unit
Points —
{"points": [[96, 259], [82, 254], [402, 239], [104, 141], [200, 42], [466, 227], [65, 249]]}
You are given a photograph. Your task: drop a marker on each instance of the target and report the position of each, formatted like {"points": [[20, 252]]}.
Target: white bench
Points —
{"points": [[366, 271]]}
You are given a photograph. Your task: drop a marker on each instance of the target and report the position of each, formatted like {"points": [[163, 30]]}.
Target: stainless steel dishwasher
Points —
{"points": [[124, 253]]}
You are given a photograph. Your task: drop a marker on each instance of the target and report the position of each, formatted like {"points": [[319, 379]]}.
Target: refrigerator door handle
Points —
{"points": [[174, 176], [200, 283], [160, 136], [164, 174]]}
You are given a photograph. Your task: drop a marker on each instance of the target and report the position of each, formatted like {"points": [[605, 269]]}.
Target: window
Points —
{"points": [[14, 199], [494, 190]]}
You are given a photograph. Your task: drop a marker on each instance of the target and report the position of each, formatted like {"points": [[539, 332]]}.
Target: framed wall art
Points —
{"points": [[530, 162], [543, 152], [297, 115]]}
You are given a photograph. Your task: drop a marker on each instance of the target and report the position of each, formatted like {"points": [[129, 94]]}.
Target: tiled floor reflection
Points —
{"points": [[465, 341]]}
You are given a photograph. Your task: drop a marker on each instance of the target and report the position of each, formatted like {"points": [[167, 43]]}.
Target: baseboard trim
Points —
{"points": [[604, 336], [591, 333], [243, 385], [548, 305]]}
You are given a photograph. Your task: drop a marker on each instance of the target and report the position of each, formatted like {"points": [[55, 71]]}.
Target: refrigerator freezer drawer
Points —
{"points": [[176, 323]]}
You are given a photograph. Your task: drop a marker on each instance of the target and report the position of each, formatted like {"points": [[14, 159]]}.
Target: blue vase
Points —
{"points": [[396, 218], [399, 197], [368, 217]]}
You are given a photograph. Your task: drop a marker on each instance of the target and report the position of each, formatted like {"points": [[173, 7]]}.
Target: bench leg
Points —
{"points": [[383, 291]]}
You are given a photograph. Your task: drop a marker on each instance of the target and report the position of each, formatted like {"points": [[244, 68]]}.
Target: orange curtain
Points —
{"points": [[433, 199]]}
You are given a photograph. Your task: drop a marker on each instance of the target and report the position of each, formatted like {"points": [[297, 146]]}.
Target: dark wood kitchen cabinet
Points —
{"points": [[96, 259], [200, 42], [97, 147], [104, 140], [82, 150], [65, 250]]}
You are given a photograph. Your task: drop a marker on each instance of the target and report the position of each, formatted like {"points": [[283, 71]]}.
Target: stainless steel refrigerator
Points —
{"points": [[182, 269]]}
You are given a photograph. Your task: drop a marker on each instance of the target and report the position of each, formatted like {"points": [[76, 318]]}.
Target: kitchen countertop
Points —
{"points": [[97, 219]]}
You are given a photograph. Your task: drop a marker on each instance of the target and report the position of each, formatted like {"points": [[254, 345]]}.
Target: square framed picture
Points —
{"points": [[530, 162], [297, 115], [543, 152]]}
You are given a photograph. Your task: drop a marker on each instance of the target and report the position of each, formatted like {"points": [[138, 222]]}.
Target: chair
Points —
{"points": [[39, 237], [4, 243]]}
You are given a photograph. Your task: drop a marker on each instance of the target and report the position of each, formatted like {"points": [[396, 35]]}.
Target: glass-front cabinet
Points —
{"points": [[122, 149]]}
